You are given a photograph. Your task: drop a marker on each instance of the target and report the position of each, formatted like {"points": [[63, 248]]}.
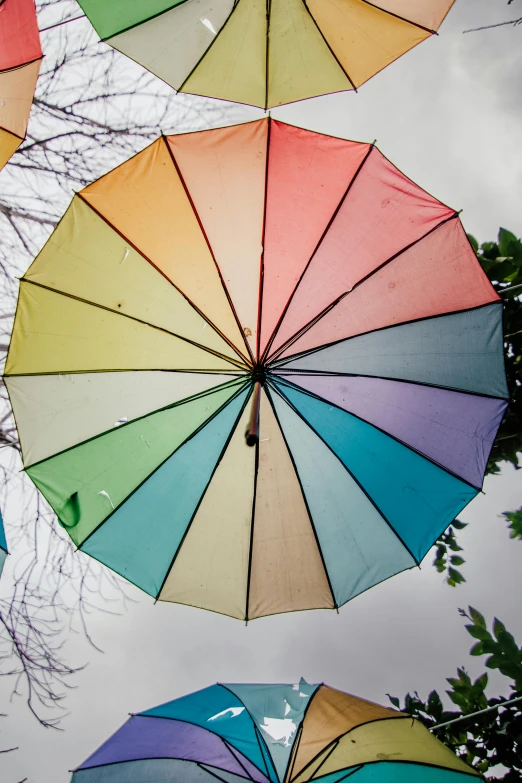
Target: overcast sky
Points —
{"points": [[449, 114]]}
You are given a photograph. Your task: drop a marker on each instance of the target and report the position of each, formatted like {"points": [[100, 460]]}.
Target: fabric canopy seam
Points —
{"points": [[190, 437], [205, 236], [266, 352], [283, 396], [222, 454], [304, 329], [170, 406], [149, 260], [305, 501], [89, 302], [302, 390]]}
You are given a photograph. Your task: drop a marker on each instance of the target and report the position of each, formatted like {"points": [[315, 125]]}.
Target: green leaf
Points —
{"points": [[456, 560], [455, 576], [515, 522], [477, 618], [478, 632], [473, 242], [494, 662], [498, 628], [394, 700], [458, 525], [477, 649], [506, 240]]}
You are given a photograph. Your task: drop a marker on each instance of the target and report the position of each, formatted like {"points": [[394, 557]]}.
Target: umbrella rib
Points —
{"points": [[297, 742], [189, 438], [376, 426], [305, 500], [327, 228], [225, 686], [149, 260], [335, 742], [204, 233], [334, 746], [12, 133], [251, 545], [137, 24], [180, 89], [290, 372], [374, 504], [229, 360], [263, 235], [206, 768], [339, 63], [221, 455], [233, 751], [295, 748], [199, 396], [402, 18], [291, 340], [22, 65], [280, 363], [267, 55]]}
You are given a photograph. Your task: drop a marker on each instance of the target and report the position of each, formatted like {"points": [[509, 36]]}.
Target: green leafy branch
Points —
{"points": [[494, 737]]}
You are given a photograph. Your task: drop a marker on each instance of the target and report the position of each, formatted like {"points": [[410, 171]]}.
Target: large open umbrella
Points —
{"points": [[268, 263], [272, 734], [265, 52], [20, 57]]}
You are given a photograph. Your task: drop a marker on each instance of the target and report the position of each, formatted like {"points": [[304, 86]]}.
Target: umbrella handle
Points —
{"points": [[252, 431]]}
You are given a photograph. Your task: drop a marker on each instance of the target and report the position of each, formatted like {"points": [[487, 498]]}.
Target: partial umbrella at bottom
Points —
{"points": [[272, 734]]}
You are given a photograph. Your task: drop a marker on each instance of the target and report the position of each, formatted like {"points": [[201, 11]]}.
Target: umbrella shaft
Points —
{"points": [[252, 433]]}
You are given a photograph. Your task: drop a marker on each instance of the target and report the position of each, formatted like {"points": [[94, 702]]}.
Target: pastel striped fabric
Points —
{"points": [[272, 734], [259, 251], [265, 53], [20, 58]]}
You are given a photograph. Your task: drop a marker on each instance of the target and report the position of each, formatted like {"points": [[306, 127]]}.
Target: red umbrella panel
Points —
{"points": [[20, 57]]}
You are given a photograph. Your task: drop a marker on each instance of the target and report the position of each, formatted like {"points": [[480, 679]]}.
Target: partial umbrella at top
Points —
{"points": [[268, 278], [20, 58], [265, 52]]}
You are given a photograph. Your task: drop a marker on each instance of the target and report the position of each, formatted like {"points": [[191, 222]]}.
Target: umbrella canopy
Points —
{"points": [[3, 544], [268, 263], [272, 734], [20, 57], [265, 52]]}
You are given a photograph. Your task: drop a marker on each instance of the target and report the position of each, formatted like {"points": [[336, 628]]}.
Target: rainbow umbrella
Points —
{"points": [[272, 734], [263, 278], [20, 57], [3, 544], [262, 52]]}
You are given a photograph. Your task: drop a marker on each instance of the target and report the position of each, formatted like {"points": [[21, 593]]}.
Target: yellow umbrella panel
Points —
{"points": [[265, 52]]}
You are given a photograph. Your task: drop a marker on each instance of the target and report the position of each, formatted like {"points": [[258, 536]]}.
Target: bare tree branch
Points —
{"points": [[93, 108]]}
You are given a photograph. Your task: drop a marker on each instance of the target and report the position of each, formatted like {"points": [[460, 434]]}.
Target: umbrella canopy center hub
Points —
{"points": [[259, 374]]}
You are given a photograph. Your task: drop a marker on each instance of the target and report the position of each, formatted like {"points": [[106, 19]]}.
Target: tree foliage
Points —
{"points": [[495, 737], [502, 262]]}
